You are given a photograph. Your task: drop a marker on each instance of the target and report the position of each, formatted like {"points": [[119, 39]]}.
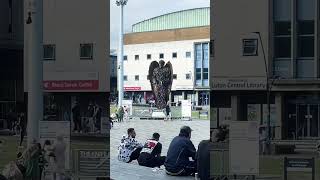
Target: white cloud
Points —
{"points": [[139, 10]]}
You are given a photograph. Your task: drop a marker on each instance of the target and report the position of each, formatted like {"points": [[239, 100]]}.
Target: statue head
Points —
{"points": [[161, 63]]}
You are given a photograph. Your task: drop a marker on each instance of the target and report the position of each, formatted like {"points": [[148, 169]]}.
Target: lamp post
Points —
{"points": [[34, 48], [268, 91], [120, 3]]}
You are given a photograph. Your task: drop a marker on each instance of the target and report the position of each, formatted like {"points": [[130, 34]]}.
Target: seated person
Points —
{"points": [[129, 148], [180, 151], [203, 155], [150, 155]]}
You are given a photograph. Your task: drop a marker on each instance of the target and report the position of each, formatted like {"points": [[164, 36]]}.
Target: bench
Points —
{"points": [[283, 148]]}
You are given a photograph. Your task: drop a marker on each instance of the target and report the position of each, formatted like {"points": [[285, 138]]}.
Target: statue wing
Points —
{"points": [[169, 79], [152, 79]]}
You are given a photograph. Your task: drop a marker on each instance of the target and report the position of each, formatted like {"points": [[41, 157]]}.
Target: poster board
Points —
{"points": [[244, 148], [186, 109], [49, 130], [128, 104], [91, 163]]}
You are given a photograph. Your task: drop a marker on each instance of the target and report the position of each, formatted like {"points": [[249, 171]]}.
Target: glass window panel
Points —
{"points": [[282, 10], [306, 9], [206, 82], [198, 56], [305, 46], [282, 47], [282, 68], [282, 28], [305, 68], [205, 55], [305, 27]]}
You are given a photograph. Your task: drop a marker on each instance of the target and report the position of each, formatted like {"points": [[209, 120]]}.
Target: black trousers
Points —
{"points": [[189, 170], [153, 162], [77, 124], [135, 154]]}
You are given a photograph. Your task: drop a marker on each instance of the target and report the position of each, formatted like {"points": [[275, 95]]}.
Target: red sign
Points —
{"points": [[71, 85], [132, 88]]}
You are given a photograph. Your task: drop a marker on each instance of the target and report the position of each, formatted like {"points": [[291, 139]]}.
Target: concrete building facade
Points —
{"points": [[290, 39], [75, 56], [181, 38]]}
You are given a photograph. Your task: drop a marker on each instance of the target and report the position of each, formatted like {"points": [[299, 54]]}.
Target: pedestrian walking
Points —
{"points": [[120, 114], [97, 117], [23, 127], [168, 111]]}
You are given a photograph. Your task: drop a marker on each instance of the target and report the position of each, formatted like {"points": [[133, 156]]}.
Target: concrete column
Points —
{"points": [[196, 98], [235, 108], [170, 97], [279, 116]]}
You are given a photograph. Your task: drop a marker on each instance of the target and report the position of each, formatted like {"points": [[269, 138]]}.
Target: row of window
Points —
{"points": [[161, 56], [137, 77], [86, 51]]}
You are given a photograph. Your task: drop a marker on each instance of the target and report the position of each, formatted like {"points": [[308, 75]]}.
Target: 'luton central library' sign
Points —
{"points": [[239, 84]]}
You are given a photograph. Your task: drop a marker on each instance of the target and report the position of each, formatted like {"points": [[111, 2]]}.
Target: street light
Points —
{"points": [[120, 3], [268, 89]]}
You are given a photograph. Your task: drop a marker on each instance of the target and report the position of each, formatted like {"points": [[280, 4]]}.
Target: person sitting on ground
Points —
{"points": [[180, 151], [150, 155], [129, 148], [203, 162]]}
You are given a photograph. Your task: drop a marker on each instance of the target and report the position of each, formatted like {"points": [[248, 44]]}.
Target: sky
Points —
{"points": [[139, 10]]}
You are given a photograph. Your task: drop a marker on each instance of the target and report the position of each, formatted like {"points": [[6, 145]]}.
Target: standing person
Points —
{"points": [[76, 117], [59, 150], [11, 120], [180, 150], [90, 114], [97, 117], [150, 155], [129, 148], [168, 111], [23, 127], [120, 114]]}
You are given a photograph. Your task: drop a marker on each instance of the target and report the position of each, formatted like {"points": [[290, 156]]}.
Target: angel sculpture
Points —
{"points": [[161, 76]]}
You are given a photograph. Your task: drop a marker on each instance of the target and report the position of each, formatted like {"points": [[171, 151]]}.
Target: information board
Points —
{"points": [[127, 104], [244, 148], [91, 163], [49, 130], [186, 108]]}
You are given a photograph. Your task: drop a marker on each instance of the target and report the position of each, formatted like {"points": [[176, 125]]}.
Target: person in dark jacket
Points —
{"points": [[150, 155], [180, 151], [203, 154], [76, 117]]}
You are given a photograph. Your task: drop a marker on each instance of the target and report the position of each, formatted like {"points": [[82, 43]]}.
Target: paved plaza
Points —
{"points": [[144, 129]]}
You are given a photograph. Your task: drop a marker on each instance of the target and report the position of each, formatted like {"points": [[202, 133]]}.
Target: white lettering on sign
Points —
{"points": [[239, 84]]}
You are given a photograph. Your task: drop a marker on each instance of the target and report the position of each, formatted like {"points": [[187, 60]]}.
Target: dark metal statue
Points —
{"points": [[161, 76]]}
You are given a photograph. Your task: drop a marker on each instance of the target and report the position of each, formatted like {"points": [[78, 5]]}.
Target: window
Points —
{"points": [[49, 52], [148, 56], [161, 55], [188, 76], [174, 55], [125, 58], [250, 47], [174, 76], [202, 53], [125, 78], [188, 54], [136, 77], [136, 57], [86, 51]]}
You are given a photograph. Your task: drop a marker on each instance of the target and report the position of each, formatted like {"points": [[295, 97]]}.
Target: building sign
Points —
{"points": [[92, 163], [239, 84], [132, 88], [306, 165], [71, 85]]}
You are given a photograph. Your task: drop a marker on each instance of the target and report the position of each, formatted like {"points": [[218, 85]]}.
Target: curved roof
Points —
{"points": [[181, 19]]}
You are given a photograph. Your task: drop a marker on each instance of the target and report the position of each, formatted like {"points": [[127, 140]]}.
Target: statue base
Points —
{"points": [[158, 114]]}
